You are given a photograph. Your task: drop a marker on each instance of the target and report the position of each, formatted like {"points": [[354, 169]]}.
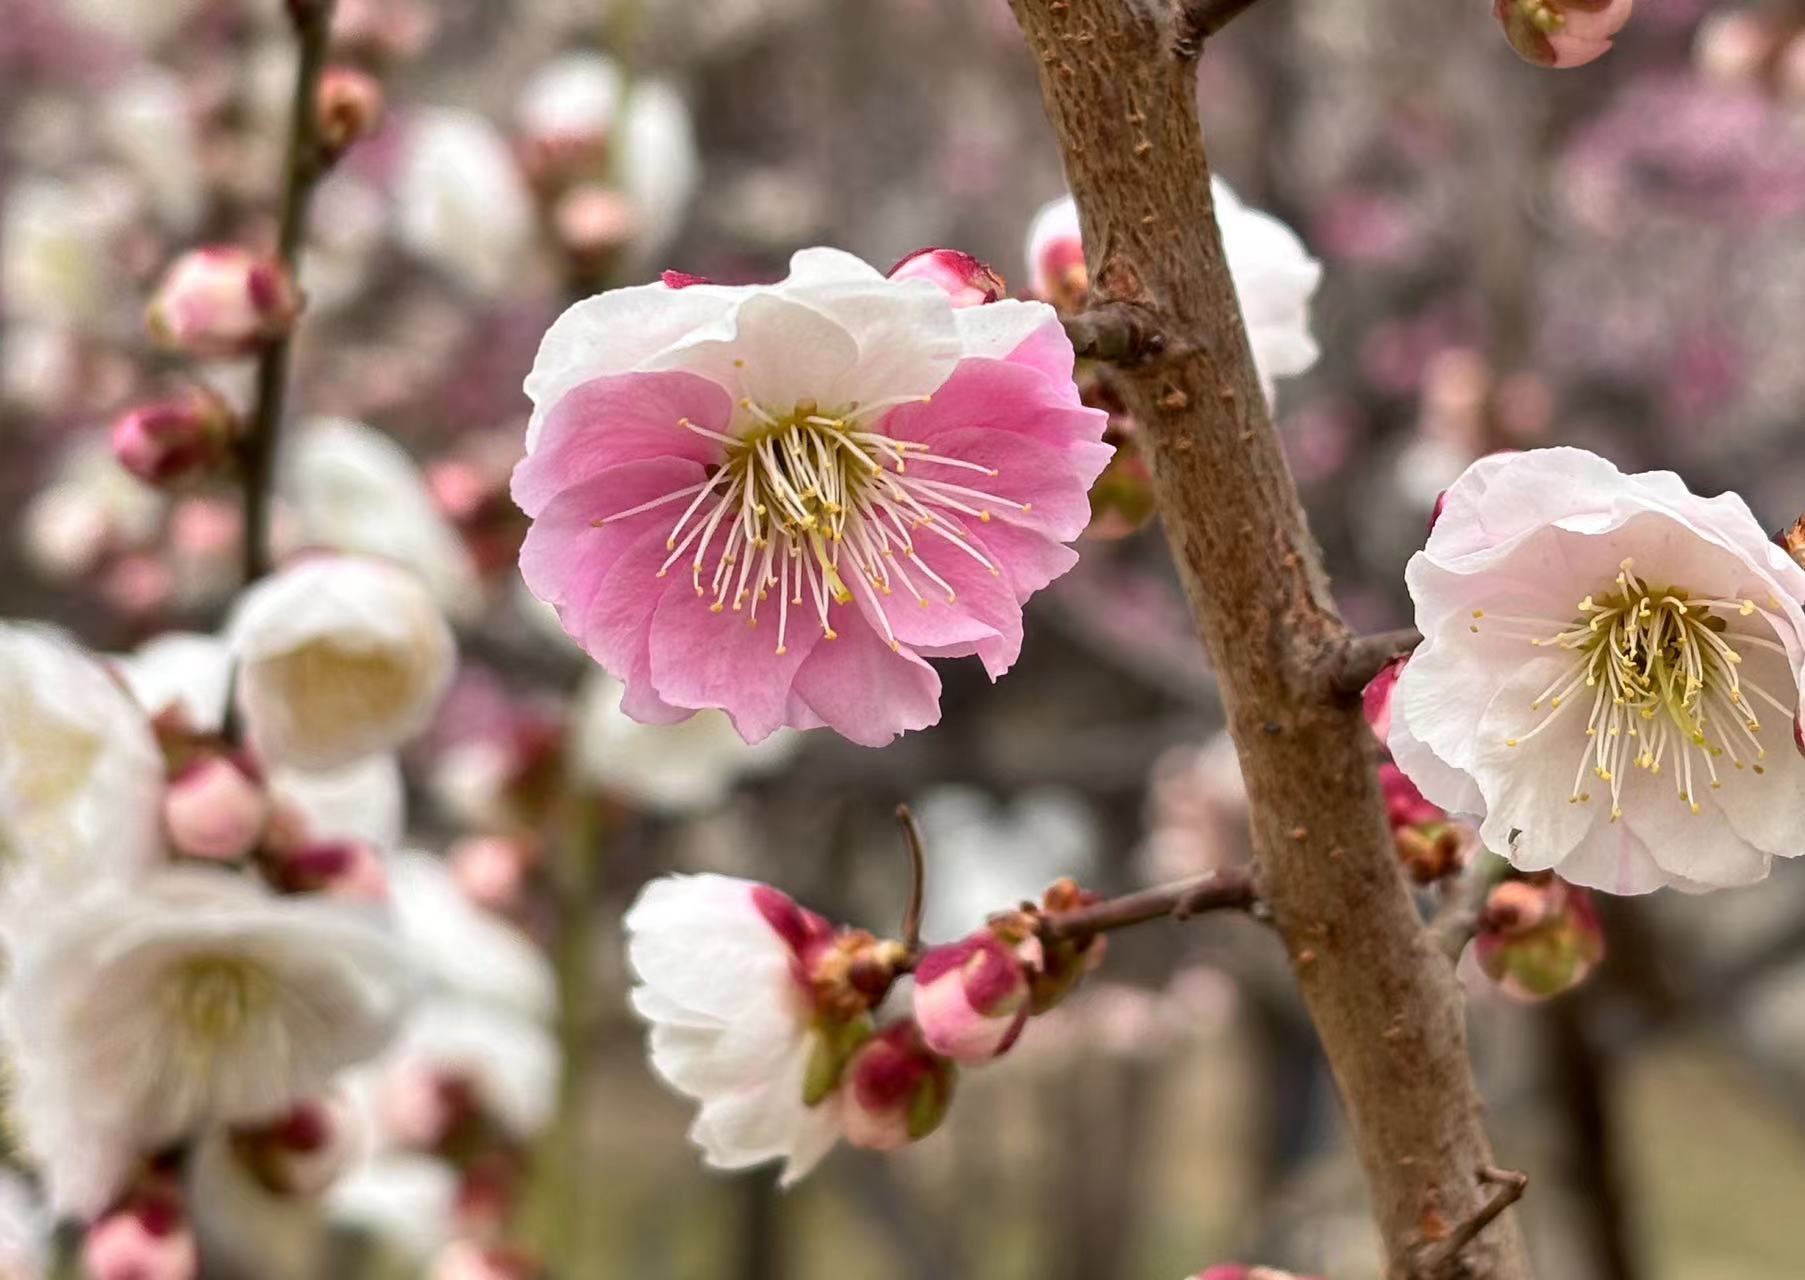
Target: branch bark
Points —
{"points": [[1359, 658], [1230, 890], [1118, 332], [1123, 104]]}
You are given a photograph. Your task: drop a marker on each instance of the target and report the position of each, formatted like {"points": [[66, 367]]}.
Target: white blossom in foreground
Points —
{"points": [[1274, 276], [81, 777], [732, 1024], [355, 489], [137, 1014], [1609, 676], [464, 207], [338, 657], [680, 767]]}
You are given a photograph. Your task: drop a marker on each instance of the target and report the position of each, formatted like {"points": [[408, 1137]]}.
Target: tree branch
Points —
{"points": [[1199, 19], [1442, 1260], [1388, 1012], [1351, 665], [1227, 890], [1114, 331], [301, 170]]}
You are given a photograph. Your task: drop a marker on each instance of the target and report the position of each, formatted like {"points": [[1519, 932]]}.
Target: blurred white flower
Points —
{"points": [[338, 657], [659, 166], [680, 767], [148, 122], [39, 366], [461, 949], [984, 857], [717, 960], [243, 1226], [56, 243], [409, 1200], [464, 206], [136, 1014], [140, 22], [25, 1227], [182, 671], [345, 232], [574, 97], [81, 776], [356, 489], [90, 507], [365, 800]]}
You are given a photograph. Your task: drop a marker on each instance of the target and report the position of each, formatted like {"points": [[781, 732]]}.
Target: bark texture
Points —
{"points": [[1118, 78]]}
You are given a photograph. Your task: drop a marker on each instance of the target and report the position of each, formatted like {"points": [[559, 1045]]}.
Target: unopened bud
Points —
{"points": [[302, 1152], [1736, 46], [1056, 269], [971, 997], [1429, 845], [964, 279], [897, 1090], [1063, 964], [216, 808], [350, 105], [491, 870], [467, 1260], [178, 439], [145, 1238], [222, 300], [347, 869], [1791, 540], [1561, 33], [1538, 938], [594, 221]]}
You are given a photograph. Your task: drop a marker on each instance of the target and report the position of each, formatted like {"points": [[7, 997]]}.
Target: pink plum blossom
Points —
{"points": [[1609, 676], [782, 500], [146, 1238]]}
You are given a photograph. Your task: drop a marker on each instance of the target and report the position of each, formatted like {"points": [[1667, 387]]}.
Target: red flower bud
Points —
{"points": [[349, 105], [971, 998], [183, 437], [216, 808], [897, 1090]]}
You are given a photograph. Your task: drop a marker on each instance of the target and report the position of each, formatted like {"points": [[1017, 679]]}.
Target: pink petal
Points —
{"points": [[1029, 559], [1028, 472], [866, 691], [700, 658], [1016, 399], [620, 418], [983, 618], [614, 628]]}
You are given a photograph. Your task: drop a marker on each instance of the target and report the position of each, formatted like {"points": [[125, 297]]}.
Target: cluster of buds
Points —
{"points": [[301, 1152], [1430, 846], [146, 1235], [1538, 936], [1561, 33]]}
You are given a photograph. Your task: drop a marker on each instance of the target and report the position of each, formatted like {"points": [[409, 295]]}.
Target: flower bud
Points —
{"points": [[467, 1260], [594, 221], [1736, 46], [1429, 845], [971, 998], [1062, 964], [963, 278], [145, 1238], [302, 1152], [347, 869], [1375, 699], [1561, 33], [1538, 937], [178, 439], [491, 870], [897, 1090], [349, 106], [222, 300], [1056, 269], [216, 808]]}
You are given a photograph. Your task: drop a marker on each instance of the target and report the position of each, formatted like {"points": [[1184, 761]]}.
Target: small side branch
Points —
{"points": [[911, 834], [1350, 667], [1440, 1260], [1119, 332], [1197, 20], [1230, 890], [1457, 919]]}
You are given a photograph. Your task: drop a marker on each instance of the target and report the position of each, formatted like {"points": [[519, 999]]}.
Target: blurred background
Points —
{"points": [[1612, 257]]}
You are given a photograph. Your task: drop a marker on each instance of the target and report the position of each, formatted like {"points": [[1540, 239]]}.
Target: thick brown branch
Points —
{"points": [[1229, 890], [1441, 1260], [1386, 1007], [301, 170], [1353, 663], [1115, 331]]}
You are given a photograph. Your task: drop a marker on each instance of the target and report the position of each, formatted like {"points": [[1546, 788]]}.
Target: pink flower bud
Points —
{"points": [[1375, 700], [491, 870], [302, 1152], [964, 279], [349, 106], [222, 300], [146, 1238], [897, 1091], [422, 1105], [339, 868], [971, 998], [467, 1260], [1062, 965], [594, 221], [178, 439], [216, 808], [1538, 937], [1561, 33]]}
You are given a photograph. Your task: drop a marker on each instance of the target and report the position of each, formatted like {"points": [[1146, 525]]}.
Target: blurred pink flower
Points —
{"points": [[848, 475]]}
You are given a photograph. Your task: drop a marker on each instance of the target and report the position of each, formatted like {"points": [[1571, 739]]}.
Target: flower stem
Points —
{"points": [[1231, 889]]}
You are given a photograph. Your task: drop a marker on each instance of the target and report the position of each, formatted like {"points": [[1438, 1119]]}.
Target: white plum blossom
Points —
{"points": [[716, 959], [674, 768], [25, 1229], [81, 776], [1609, 677], [56, 244], [365, 800], [464, 206], [1274, 276], [409, 1200], [181, 671], [137, 1013], [508, 1060], [355, 489], [575, 95], [149, 123], [659, 165], [338, 657], [462, 950]]}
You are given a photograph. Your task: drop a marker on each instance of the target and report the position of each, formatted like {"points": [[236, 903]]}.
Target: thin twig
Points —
{"points": [[1200, 19], [1351, 666], [1437, 1261], [1227, 890], [301, 170], [1115, 331], [911, 833]]}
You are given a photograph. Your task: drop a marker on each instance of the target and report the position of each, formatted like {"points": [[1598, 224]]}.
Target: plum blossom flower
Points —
{"points": [[81, 776], [781, 500], [90, 508], [338, 657], [462, 950], [233, 1003], [1609, 677], [723, 965], [463, 205], [1274, 276], [408, 1199]]}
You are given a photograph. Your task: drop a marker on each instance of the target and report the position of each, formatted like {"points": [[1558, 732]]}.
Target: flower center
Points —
{"points": [[1665, 687], [817, 505], [216, 997]]}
